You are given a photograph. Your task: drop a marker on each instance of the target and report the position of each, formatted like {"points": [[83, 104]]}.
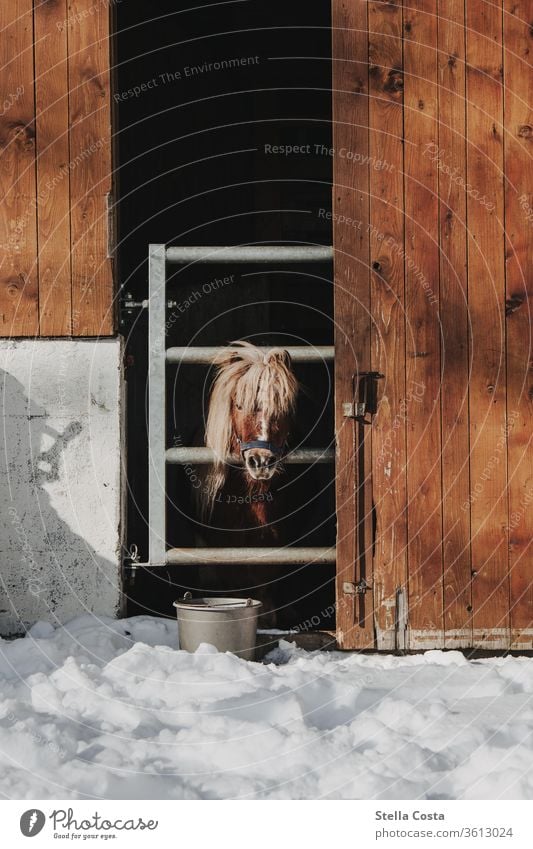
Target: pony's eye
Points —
{"points": [[238, 406]]}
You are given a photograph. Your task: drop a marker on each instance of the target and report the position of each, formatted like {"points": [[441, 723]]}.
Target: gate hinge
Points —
{"points": [[356, 588], [131, 561], [129, 304]]}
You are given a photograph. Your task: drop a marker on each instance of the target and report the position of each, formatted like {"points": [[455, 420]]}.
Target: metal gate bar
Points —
{"points": [[272, 556], [157, 416], [200, 456], [297, 353], [249, 254], [159, 356]]}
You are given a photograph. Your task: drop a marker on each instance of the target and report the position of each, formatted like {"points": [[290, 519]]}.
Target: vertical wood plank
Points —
{"points": [[352, 293], [423, 328], [53, 173], [518, 147], [451, 161], [19, 310], [486, 295], [90, 163], [388, 314]]}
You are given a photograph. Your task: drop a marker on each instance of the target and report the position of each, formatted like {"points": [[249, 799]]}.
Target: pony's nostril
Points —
{"points": [[260, 462]]}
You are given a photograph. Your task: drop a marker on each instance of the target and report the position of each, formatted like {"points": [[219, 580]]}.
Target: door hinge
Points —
{"points": [[356, 587], [353, 411], [367, 400], [401, 620]]}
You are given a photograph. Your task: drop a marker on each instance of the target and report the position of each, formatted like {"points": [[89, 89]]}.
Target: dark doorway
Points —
{"points": [[224, 137]]}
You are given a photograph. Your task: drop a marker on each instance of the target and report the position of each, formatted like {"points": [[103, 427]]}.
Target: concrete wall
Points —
{"points": [[60, 480]]}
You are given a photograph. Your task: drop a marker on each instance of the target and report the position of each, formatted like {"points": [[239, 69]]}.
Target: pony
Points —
{"points": [[250, 415]]}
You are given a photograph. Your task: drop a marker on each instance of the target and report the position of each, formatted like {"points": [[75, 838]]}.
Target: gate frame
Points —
{"points": [[159, 357]]}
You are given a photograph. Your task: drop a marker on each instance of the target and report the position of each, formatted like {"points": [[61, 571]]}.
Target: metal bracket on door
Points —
{"points": [[400, 620], [361, 410], [366, 404], [357, 588]]}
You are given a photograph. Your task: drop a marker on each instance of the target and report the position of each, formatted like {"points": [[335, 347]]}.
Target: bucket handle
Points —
{"points": [[188, 596]]}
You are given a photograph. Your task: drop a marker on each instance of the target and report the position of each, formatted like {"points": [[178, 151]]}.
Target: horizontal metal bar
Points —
{"points": [[200, 456], [297, 353], [249, 253], [270, 556]]}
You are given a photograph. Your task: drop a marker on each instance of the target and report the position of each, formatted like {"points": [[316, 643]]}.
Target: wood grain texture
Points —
{"points": [[352, 295], [518, 147], [53, 173], [90, 163], [55, 169], [485, 209], [387, 310], [19, 309], [451, 161], [423, 328]]}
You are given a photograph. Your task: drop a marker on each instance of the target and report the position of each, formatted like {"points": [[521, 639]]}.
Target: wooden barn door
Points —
{"points": [[56, 275], [433, 236]]}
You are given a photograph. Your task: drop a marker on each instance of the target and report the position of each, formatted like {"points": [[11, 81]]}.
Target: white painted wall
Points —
{"points": [[60, 480]]}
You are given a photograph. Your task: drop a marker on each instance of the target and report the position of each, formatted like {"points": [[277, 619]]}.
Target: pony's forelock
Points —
{"points": [[249, 376]]}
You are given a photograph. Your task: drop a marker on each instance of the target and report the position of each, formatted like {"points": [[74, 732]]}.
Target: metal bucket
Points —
{"points": [[229, 624]]}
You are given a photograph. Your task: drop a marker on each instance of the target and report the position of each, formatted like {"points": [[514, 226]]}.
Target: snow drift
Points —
{"points": [[111, 709]]}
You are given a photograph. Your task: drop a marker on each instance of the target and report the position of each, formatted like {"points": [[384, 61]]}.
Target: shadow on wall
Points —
{"points": [[48, 569]]}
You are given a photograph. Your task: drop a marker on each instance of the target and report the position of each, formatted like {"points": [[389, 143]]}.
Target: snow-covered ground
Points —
{"points": [[111, 709]]}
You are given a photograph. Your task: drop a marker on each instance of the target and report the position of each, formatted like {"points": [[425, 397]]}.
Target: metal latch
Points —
{"points": [[356, 588]]}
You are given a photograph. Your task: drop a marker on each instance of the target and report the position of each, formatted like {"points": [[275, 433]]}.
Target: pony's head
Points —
{"points": [[250, 411]]}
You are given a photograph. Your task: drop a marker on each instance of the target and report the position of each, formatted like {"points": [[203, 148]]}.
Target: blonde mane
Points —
{"points": [[248, 376]]}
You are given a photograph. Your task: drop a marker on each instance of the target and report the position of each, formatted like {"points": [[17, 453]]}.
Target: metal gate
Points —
{"points": [[161, 357]]}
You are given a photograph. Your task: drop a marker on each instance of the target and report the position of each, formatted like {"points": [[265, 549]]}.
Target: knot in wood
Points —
{"points": [[525, 131], [394, 81], [513, 303]]}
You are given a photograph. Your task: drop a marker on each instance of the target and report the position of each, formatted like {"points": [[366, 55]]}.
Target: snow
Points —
{"points": [[102, 708]]}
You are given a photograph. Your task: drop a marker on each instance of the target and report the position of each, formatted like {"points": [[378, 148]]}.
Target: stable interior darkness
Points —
{"points": [[201, 160]]}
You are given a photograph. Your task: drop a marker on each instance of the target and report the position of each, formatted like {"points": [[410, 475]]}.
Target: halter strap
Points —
{"points": [[260, 443]]}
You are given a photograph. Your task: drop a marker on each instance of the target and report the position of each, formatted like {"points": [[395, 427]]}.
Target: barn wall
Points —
{"points": [[433, 267], [60, 499], [55, 180], [60, 474]]}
